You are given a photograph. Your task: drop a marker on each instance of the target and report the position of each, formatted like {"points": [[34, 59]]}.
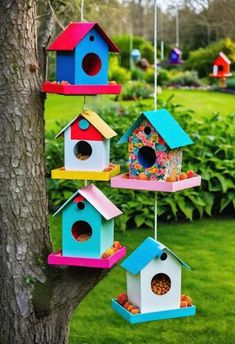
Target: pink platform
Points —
{"points": [[49, 87], [154, 185], [57, 259]]}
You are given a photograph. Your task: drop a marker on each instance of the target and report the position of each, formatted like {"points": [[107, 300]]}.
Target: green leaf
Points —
{"points": [[139, 220], [187, 209]]}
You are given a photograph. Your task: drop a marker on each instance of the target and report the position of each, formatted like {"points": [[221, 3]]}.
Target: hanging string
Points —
{"points": [[82, 10], [177, 27], [155, 104], [155, 216], [84, 104], [155, 56]]}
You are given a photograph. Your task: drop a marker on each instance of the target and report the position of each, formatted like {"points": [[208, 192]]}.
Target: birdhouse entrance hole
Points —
{"points": [[146, 156], [81, 231], [82, 150], [91, 64], [160, 284], [220, 68]]}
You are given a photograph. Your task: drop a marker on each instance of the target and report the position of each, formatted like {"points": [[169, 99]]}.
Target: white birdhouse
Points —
{"points": [[86, 143], [154, 277]]}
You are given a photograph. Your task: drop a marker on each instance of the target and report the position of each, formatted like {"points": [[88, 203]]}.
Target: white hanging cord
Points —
{"points": [[155, 217], [85, 183], [177, 27], [82, 10], [155, 56], [155, 104]]}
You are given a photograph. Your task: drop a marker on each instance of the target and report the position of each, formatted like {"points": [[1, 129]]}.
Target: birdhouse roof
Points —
{"points": [[224, 57], [147, 251], [96, 121], [165, 125], [97, 199], [177, 51], [74, 33]]}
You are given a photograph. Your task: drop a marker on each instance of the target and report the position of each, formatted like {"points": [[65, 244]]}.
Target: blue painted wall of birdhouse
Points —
{"points": [[65, 66], [99, 47], [107, 234], [70, 246]]}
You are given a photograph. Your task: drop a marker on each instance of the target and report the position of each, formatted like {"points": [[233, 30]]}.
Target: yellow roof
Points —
{"points": [[96, 121], [99, 124]]}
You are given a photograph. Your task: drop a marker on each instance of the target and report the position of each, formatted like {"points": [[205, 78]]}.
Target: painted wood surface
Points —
{"points": [[162, 315], [122, 181], [49, 87], [95, 157], [61, 173], [58, 259]]}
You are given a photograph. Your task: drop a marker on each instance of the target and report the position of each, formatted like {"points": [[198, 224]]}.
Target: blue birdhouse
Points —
{"points": [[175, 56], [135, 55], [82, 53], [87, 223]]}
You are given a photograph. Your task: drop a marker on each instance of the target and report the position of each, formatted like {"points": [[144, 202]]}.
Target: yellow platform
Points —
{"points": [[106, 175]]}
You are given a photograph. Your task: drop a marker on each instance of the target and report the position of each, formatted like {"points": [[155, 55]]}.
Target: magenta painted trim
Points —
{"points": [[49, 87], [57, 259], [155, 185]]}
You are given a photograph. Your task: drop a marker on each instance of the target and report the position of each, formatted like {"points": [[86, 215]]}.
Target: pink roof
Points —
{"points": [[74, 33], [104, 206], [96, 198], [177, 51]]}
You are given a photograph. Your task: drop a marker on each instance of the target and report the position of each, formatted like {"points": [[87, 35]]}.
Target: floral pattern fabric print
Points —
{"points": [[166, 161]]}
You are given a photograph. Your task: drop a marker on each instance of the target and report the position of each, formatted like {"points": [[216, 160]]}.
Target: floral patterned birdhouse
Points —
{"points": [[155, 144]]}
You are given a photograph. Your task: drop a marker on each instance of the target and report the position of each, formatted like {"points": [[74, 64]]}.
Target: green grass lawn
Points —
{"points": [[202, 102], [206, 246]]}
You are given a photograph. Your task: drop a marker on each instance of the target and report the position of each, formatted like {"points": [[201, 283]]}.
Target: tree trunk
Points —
{"points": [[36, 301]]}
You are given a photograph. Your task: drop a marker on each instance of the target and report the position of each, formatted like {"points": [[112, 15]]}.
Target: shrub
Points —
{"points": [[137, 74], [202, 59], [124, 43], [188, 78], [147, 51], [162, 77], [212, 156], [134, 90], [118, 73]]}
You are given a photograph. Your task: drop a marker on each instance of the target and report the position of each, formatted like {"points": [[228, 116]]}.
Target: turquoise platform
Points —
{"points": [[139, 318]]}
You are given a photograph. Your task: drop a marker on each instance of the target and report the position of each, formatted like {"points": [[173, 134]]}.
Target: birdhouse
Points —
{"points": [[155, 144], [135, 55], [175, 56], [82, 54], [87, 229], [86, 148], [153, 283], [221, 67]]}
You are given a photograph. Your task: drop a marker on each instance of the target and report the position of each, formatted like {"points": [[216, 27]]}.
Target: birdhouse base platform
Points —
{"points": [[106, 175], [219, 76], [58, 259], [70, 90], [153, 316], [123, 181]]}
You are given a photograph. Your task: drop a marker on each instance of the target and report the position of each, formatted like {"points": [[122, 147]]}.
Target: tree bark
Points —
{"points": [[36, 301]]}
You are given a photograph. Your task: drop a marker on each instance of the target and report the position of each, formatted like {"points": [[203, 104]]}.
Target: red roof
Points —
{"points": [[74, 33]]}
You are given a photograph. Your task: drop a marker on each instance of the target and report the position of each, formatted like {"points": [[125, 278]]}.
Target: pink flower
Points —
{"points": [[152, 177]]}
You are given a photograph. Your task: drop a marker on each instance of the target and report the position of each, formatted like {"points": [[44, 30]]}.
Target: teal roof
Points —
{"points": [[147, 251], [165, 125]]}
